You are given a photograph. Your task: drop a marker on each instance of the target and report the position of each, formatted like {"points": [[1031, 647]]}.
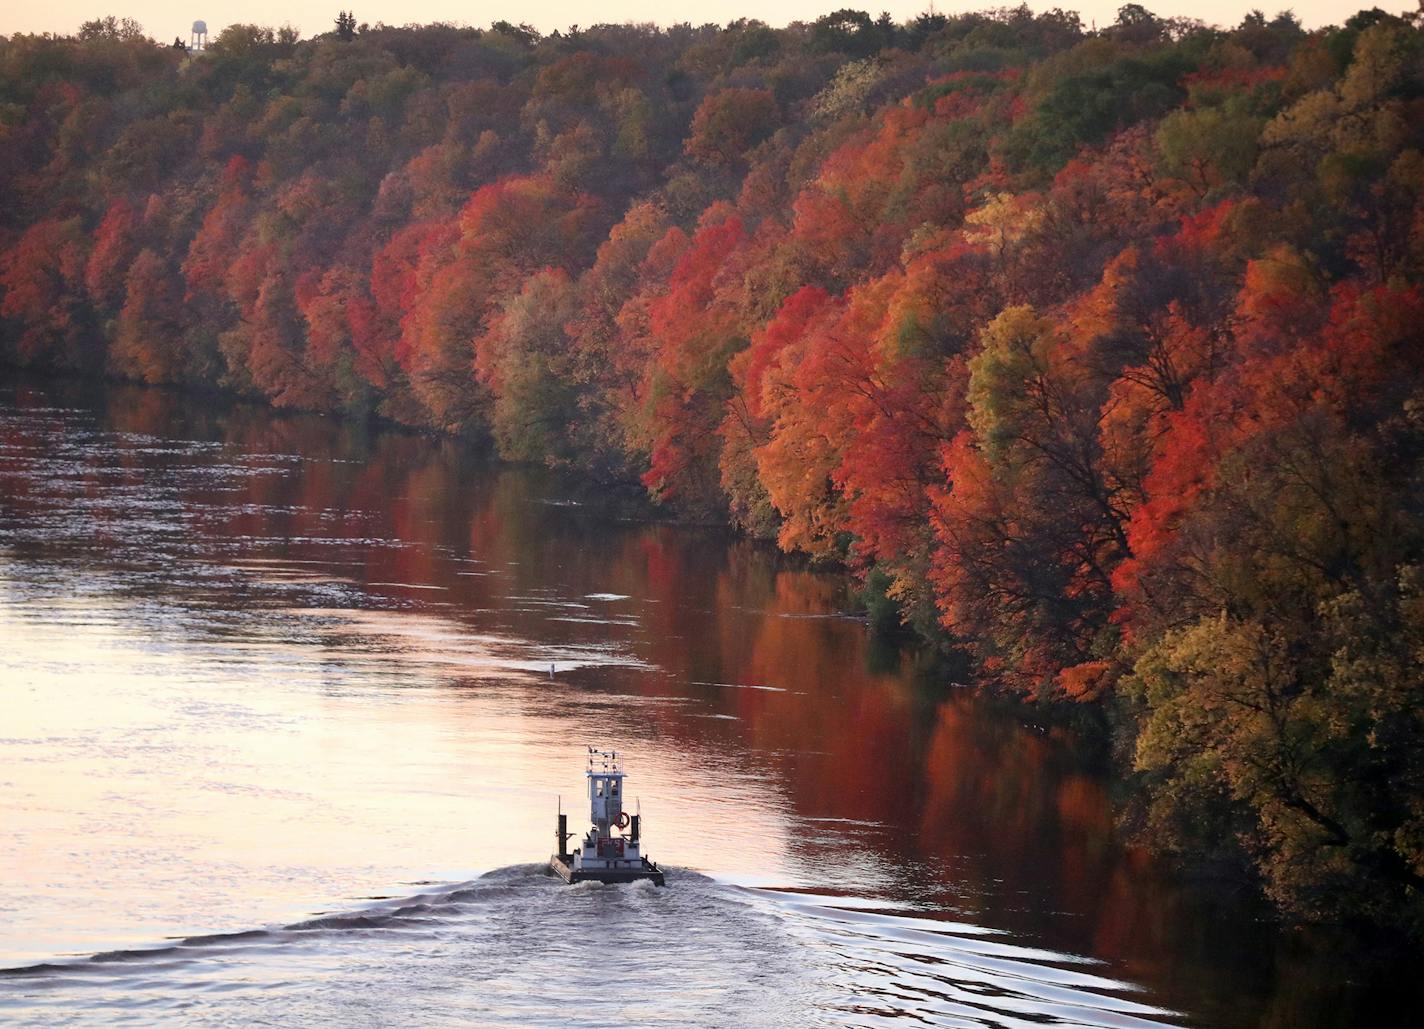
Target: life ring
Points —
{"points": [[622, 821]]}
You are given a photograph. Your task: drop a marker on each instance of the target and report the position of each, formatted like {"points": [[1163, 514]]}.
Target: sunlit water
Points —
{"points": [[287, 710]]}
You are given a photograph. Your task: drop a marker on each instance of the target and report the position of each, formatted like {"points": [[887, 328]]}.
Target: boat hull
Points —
{"points": [[566, 871]]}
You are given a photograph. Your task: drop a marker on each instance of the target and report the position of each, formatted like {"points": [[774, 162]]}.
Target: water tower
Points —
{"points": [[200, 36]]}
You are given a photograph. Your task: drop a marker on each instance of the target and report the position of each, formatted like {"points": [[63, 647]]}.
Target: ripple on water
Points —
{"points": [[517, 947]]}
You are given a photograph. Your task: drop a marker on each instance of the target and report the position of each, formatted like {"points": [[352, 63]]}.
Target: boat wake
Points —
{"points": [[517, 946]]}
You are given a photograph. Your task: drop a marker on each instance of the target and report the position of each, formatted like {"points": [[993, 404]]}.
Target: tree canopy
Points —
{"points": [[1095, 354]]}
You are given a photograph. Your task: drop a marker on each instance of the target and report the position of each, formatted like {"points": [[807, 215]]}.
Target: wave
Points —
{"points": [[517, 946]]}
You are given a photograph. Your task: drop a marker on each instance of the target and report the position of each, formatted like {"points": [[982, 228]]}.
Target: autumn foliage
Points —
{"points": [[1098, 355]]}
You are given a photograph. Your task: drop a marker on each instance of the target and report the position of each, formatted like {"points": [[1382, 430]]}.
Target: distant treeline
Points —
{"points": [[1096, 353]]}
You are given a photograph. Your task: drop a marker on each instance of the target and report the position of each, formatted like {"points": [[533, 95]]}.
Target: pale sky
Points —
{"points": [[164, 19]]}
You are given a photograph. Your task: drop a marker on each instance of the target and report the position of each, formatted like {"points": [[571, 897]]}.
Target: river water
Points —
{"points": [[287, 708]]}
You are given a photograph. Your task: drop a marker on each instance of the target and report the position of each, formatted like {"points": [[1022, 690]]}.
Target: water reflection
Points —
{"points": [[257, 664]]}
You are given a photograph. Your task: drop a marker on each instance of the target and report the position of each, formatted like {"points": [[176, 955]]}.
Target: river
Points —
{"points": [[288, 705]]}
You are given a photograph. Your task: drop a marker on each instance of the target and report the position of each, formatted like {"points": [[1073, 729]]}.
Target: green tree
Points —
{"points": [[1208, 148], [110, 27], [525, 358]]}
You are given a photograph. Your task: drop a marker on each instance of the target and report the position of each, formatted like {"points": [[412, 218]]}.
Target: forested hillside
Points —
{"points": [[1098, 352]]}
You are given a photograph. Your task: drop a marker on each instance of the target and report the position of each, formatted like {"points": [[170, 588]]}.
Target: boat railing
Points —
{"points": [[604, 760]]}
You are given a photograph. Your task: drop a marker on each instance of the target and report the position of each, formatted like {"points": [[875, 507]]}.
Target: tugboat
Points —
{"points": [[604, 857]]}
